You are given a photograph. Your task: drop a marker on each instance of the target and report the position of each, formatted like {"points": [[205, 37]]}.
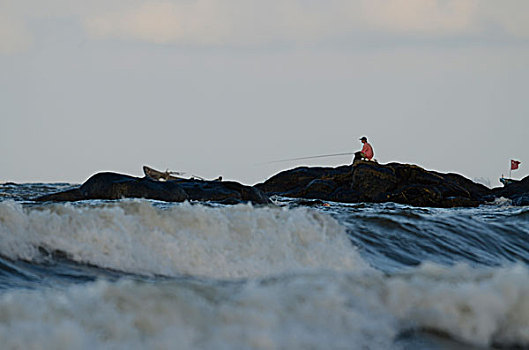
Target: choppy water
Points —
{"points": [[136, 274]]}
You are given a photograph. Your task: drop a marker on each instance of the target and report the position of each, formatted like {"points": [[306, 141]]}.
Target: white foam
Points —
{"points": [[502, 202], [478, 306], [137, 237], [306, 312], [323, 310]]}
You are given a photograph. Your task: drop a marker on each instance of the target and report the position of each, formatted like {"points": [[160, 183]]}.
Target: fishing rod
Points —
{"points": [[311, 157]]}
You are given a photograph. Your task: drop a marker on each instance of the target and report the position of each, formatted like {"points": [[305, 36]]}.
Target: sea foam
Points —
{"points": [[137, 237], [481, 306], [323, 310]]}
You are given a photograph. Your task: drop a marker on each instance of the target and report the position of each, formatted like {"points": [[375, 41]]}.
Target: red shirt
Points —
{"points": [[367, 150]]}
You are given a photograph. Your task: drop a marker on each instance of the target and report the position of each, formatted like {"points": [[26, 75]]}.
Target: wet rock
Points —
{"points": [[521, 200], [115, 186], [417, 195], [372, 182], [225, 191], [65, 196], [513, 190], [345, 194], [296, 180], [518, 192], [318, 188]]}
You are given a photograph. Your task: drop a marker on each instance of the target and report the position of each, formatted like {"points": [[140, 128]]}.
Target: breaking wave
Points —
{"points": [[137, 237], [477, 307]]}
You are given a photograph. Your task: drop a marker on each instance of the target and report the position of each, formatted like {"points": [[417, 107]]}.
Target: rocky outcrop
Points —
{"points": [[518, 192], [362, 182], [373, 182], [115, 186], [227, 192]]}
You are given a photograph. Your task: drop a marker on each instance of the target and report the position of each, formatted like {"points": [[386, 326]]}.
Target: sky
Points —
{"points": [[225, 87]]}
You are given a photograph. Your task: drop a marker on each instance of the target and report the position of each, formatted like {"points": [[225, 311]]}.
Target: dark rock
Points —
{"points": [[307, 203], [474, 189], [372, 182], [318, 189], [115, 186], [345, 194], [319, 185], [413, 174], [362, 182], [417, 195], [521, 200], [222, 191], [297, 179], [65, 196], [518, 192], [514, 189]]}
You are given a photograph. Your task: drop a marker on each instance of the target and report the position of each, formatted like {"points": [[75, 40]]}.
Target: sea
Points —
{"points": [[298, 274]]}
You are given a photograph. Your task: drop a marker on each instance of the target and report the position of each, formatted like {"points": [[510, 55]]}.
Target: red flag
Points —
{"points": [[514, 164]]}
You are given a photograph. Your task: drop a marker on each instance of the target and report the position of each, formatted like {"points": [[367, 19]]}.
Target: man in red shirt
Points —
{"points": [[366, 152]]}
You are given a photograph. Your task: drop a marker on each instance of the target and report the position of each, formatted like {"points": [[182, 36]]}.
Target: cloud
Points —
{"points": [[14, 35], [510, 16], [432, 17], [258, 22], [205, 22]]}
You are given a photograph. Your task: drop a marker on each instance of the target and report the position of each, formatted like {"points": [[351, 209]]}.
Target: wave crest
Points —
{"points": [[138, 237]]}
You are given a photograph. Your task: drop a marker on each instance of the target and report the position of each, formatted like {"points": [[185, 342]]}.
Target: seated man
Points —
{"points": [[366, 152]]}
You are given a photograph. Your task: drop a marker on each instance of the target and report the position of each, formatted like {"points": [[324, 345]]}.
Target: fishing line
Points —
{"points": [[311, 157]]}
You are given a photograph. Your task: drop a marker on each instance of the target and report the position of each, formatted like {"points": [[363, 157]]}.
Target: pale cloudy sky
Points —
{"points": [[219, 87]]}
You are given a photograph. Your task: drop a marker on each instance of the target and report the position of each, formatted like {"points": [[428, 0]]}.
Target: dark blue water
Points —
{"points": [[393, 236]]}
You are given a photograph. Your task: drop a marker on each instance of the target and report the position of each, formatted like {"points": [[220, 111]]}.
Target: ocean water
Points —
{"points": [[141, 274]]}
